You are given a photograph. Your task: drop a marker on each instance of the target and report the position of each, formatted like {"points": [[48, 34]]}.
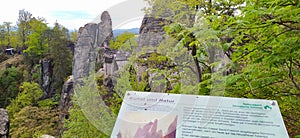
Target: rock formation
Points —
{"points": [[89, 51], [4, 124], [47, 74], [152, 28], [152, 34], [92, 53], [152, 31], [65, 98], [90, 37]]}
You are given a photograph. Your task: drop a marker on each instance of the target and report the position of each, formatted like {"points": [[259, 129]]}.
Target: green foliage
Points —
{"points": [[125, 82], [74, 35], [128, 80], [7, 35], [31, 121], [36, 43], [110, 98], [23, 26], [155, 60], [168, 69], [47, 103], [26, 75], [27, 119], [37, 135], [61, 56], [78, 126], [176, 89], [14, 39], [28, 96], [10, 81], [266, 44], [125, 41], [139, 83], [261, 39], [2, 35], [89, 117], [35, 73]]}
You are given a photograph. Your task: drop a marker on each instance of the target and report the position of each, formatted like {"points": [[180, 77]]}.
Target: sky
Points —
{"points": [[74, 14]]}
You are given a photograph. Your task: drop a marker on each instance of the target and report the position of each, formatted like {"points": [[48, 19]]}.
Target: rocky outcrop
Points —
{"points": [[4, 124], [152, 31], [90, 37], [89, 51], [163, 13], [65, 98], [46, 74], [152, 28], [152, 34]]}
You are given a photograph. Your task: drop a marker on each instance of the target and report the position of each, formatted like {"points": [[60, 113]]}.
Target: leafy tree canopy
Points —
{"points": [[125, 41]]}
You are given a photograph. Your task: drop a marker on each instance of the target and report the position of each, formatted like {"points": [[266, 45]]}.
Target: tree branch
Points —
{"points": [[291, 76], [283, 23], [251, 89], [266, 85], [257, 27]]}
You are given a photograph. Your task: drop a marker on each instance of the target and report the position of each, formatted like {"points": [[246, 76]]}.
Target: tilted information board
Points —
{"points": [[162, 115]]}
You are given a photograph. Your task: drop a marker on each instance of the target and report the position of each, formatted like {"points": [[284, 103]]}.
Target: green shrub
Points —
{"points": [[30, 121], [48, 103], [28, 96], [89, 116], [10, 81]]}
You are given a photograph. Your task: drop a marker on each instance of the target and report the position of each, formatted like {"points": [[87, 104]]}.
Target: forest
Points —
{"points": [[244, 49], [31, 107]]}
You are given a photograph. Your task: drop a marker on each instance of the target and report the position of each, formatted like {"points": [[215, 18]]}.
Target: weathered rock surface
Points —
{"points": [[65, 98], [90, 37], [152, 31], [89, 51], [152, 34], [152, 28], [47, 74], [4, 124]]}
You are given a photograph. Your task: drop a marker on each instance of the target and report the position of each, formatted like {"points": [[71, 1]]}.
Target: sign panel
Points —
{"points": [[162, 115]]}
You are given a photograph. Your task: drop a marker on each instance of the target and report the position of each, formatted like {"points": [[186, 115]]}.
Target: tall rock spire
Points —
{"points": [[90, 37]]}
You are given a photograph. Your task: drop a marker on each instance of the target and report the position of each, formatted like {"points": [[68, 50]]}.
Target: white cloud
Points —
{"points": [[71, 13]]}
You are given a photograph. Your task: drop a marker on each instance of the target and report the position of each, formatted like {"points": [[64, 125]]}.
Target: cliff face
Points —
{"points": [[162, 14], [92, 53], [90, 37], [152, 31], [152, 34]]}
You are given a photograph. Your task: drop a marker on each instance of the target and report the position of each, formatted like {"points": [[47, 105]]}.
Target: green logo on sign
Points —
{"points": [[268, 107]]}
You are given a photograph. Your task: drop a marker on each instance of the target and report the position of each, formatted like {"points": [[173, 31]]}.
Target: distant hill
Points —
{"points": [[117, 32]]}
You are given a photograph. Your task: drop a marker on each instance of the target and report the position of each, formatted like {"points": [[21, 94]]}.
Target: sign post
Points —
{"points": [[162, 115]]}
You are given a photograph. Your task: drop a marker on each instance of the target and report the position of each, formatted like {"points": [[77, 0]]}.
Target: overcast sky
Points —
{"points": [[76, 13]]}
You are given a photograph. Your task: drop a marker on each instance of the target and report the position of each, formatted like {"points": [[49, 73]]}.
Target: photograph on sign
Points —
{"points": [[147, 124]]}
